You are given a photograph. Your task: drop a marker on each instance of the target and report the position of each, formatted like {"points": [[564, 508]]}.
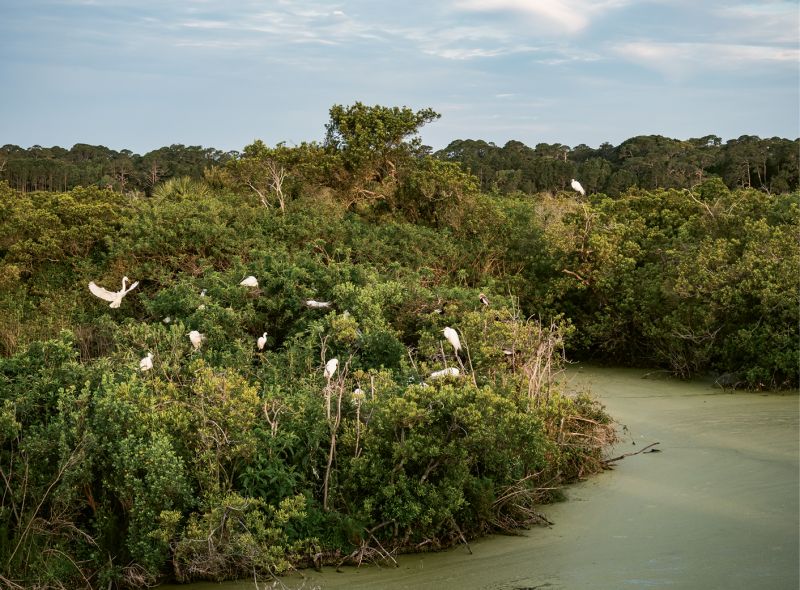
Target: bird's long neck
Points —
{"points": [[124, 283]]}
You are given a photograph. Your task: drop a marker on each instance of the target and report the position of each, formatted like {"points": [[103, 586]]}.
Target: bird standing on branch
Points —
{"points": [[452, 337], [261, 342], [576, 186], [330, 368]]}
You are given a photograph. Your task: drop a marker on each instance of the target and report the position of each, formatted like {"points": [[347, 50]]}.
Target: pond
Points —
{"points": [[717, 507]]}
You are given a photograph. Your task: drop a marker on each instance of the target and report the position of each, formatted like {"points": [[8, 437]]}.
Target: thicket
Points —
{"points": [[228, 460]]}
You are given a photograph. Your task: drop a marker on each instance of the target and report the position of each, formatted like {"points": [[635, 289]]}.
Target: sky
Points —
{"points": [[142, 74]]}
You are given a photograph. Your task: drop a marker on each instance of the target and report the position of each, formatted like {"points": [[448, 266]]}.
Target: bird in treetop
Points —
{"points": [[358, 395], [449, 372], [484, 299], [115, 297], [196, 339], [146, 363], [250, 281], [330, 368], [262, 341], [317, 304], [452, 337], [576, 186]]}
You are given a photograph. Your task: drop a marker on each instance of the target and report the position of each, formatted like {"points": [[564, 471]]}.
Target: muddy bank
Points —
{"points": [[716, 508]]}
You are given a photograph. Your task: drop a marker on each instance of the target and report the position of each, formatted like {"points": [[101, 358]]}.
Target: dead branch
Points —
{"points": [[576, 275], [608, 461]]}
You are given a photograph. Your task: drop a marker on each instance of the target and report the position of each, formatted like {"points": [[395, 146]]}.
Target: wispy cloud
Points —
{"points": [[677, 59], [568, 16], [316, 24], [775, 21]]}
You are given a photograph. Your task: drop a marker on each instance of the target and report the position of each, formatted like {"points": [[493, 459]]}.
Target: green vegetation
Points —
{"points": [[647, 161], [228, 461]]}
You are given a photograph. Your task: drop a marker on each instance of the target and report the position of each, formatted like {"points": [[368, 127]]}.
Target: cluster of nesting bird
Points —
{"points": [[196, 338]]}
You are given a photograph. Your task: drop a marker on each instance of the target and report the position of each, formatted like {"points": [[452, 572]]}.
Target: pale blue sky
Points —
{"points": [[141, 74]]}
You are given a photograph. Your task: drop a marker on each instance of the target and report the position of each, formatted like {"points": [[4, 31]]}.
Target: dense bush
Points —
{"points": [[226, 460]]}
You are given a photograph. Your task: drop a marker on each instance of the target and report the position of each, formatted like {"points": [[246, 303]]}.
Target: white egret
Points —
{"points": [[167, 320], [262, 341], [452, 338], [576, 186], [330, 368], [196, 338], [250, 281], [146, 363], [484, 299], [115, 297], [449, 372], [318, 304]]}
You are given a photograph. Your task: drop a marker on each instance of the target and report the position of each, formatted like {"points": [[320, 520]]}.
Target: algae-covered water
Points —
{"points": [[716, 508]]}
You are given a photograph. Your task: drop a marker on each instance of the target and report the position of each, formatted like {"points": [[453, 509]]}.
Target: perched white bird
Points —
{"points": [[262, 341], [577, 186], [452, 338], [484, 299], [146, 363], [358, 395], [167, 320], [196, 338], [449, 372], [330, 368], [203, 293], [115, 297], [317, 304], [250, 281]]}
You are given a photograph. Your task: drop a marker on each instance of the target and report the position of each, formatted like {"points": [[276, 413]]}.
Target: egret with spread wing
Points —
{"points": [[115, 297]]}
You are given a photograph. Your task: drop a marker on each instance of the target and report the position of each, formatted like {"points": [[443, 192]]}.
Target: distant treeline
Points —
{"points": [[57, 169], [646, 162]]}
